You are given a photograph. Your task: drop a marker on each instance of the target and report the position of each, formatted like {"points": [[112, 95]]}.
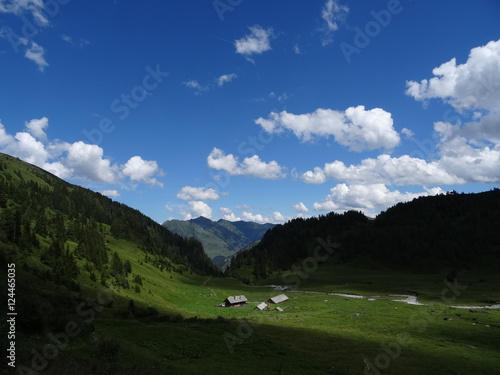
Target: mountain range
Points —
{"points": [[221, 239]]}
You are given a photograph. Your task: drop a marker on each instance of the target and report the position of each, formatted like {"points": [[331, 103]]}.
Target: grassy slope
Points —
{"points": [[315, 334]]}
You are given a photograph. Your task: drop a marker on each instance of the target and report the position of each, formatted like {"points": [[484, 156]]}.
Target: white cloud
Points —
{"points": [[469, 150], [257, 218], [367, 198], [275, 218], [36, 128], [198, 208], [110, 193], [188, 193], [469, 162], [408, 133], [36, 54], [225, 78], [256, 42], [314, 177], [404, 170], [195, 85], [278, 217], [87, 160], [300, 207], [33, 51], [356, 128], [78, 160], [332, 13], [139, 169], [69, 39], [474, 84], [29, 149], [58, 169], [251, 166], [17, 7], [228, 214]]}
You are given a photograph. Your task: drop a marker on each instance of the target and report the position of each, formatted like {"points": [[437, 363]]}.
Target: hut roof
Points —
{"points": [[236, 299], [279, 299], [261, 306]]}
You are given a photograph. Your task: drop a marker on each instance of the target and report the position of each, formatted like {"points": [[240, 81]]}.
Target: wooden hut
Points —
{"points": [[235, 301], [278, 299], [261, 306]]}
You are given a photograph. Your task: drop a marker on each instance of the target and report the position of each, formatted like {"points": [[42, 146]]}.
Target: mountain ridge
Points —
{"points": [[221, 238]]}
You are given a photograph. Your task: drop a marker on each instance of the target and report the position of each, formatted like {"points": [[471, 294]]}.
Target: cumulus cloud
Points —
{"points": [[275, 218], [468, 149], [251, 166], [37, 128], [367, 198], [257, 218], [188, 193], [300, 207], [356, 128], [87, 160], [141, 170], [469, 162], [110, 193], [29, 149], [78, 160], [317, 176], [197, 209], [474, 84], [257, 42], [228, 214], [403, 170], [332, 13]]}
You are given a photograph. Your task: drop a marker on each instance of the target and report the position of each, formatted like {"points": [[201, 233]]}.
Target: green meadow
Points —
{"points": [[317, 333]]}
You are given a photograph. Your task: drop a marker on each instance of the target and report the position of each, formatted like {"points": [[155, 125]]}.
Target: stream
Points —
{"points": [[406, 298]]}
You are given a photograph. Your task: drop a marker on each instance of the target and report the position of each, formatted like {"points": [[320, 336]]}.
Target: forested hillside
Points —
{"points": [[42, 212], [458, 230]]}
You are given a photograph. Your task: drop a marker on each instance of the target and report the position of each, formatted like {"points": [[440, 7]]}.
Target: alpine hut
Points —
{"points": [[235, 301], [261, 306], [278, 299]]}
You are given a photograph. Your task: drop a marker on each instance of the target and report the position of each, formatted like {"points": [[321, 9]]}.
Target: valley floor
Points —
{"points": [[322, 330]]}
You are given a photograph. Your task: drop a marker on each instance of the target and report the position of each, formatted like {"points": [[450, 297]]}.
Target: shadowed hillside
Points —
{"points": [[452, 230]]}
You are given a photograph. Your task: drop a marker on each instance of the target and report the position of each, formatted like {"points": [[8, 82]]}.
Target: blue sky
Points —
{"points": [[254, 110]]}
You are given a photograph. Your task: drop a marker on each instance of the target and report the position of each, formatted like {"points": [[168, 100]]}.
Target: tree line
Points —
{"points": [[447, 230]]}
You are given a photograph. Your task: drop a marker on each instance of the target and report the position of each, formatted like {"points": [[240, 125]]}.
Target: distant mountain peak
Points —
{"points": [[221, 238]]}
